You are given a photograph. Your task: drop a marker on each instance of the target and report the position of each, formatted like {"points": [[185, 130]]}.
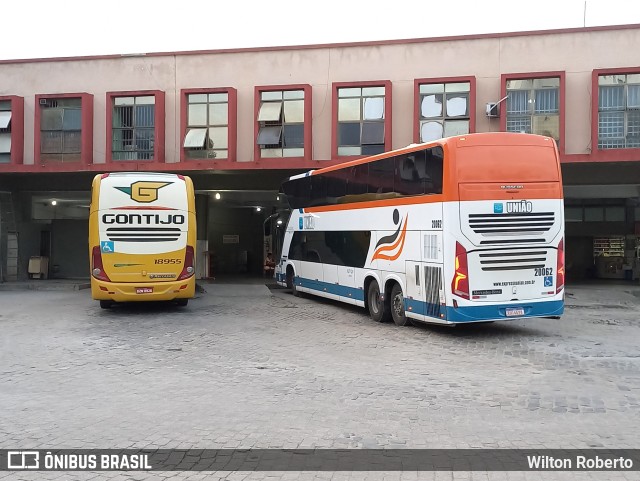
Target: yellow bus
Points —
{"points": [[142, 237]]}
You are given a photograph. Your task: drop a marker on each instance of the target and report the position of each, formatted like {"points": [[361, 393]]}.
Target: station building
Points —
{"points": [[240, 121]]}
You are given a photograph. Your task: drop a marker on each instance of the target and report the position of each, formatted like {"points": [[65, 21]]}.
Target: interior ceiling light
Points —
{"points": [[54, 202], [217, 195]]}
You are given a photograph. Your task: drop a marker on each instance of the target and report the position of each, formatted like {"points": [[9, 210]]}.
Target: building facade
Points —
{"points": [[241, 121]]}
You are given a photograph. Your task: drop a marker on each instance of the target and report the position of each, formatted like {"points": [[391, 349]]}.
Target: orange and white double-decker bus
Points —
{"points": [[463, 229]]}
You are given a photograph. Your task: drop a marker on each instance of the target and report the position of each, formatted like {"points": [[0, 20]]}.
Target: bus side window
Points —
{"points": [[358, 179], [336, 186], [408, 181], [381, 176], [429, 169]]}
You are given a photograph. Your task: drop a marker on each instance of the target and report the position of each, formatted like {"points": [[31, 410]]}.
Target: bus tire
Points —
{"points": [[291, 282], [106, 304], [182, 302], [378, 309], [396, 302]]}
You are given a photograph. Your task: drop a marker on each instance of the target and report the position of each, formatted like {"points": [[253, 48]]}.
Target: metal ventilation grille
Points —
{"points": [[511, 224], [143, 234], [432, 287], [513, 260]]}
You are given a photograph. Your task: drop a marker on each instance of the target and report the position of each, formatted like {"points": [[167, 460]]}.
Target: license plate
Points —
{"points": [[514, 312], [144, 290]]}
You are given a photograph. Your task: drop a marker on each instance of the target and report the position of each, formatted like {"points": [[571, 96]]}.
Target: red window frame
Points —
{"points": [[532, 76], [17, 129], [232, 139], [307, 121], [611, 155], [158, 132], [86, 124], [442, 80], [334, 116]]}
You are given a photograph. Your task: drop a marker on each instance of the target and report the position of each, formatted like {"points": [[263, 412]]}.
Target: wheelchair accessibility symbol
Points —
{"points": [[107, 247], [548, 281]]}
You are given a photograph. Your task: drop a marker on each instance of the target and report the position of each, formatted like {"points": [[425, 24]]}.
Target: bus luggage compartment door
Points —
{"points": [[424, 294]]}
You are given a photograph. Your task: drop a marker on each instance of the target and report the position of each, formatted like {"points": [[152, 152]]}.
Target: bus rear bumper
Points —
{"points": [[139, 291], [504, 312]]}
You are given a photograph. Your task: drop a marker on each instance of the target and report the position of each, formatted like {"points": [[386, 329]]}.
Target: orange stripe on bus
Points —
{"points": [[418, 199], [380, 252]]}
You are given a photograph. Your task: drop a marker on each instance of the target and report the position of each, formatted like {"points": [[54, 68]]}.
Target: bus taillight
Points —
{"points": [[188, 269], [97, 269], [460, 282], [560, 267]]}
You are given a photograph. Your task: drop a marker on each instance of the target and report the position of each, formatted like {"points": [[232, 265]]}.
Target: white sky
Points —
{"points": [[38, 28]]}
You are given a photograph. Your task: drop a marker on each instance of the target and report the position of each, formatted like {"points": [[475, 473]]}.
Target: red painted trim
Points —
{"points": [[159, 131], [232, 132], [17, 130], [86, 120], [267, 164], [307, 119], [535, 75], [378, 43], [334, 115], [438, 80], [607, 155]]}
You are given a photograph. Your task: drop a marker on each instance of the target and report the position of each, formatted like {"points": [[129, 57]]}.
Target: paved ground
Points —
{"points": [[243, 366]]}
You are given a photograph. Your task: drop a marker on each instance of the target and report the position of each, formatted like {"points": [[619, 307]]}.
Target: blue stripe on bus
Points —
{"points": [[335, 289], [485, 313], [498, 311], [452, 314]]}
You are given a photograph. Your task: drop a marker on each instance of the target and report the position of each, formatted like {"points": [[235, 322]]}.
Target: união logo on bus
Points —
{"points": [[522, 206], [143, 191]]}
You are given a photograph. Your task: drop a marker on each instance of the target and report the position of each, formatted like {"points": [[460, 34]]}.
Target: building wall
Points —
{"points": [[576, 52]]}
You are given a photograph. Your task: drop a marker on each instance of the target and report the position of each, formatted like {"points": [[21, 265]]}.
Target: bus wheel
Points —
{"points": [[378, 309], [106, 304], [182, 302], [397, 307], [291, 284]]}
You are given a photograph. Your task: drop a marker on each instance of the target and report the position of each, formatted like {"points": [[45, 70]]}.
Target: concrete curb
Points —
{"points": [[44, 286]]}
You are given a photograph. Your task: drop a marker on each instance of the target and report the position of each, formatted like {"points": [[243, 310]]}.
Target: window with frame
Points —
{"points": [[533, 106], [444, 110], [5, 131], [60, 129], [281, 123], [618, 111], [207, 135], [361, 120], [133, 128]]}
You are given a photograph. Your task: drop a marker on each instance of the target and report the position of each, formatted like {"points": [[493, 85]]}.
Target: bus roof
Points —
{"points": [[468, 140], [459, 141]]}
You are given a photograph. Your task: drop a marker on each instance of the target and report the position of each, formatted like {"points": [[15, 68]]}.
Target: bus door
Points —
{"points": [[311, 270]]}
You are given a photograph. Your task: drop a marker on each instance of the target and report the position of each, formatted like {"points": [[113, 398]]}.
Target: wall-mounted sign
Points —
{"points": [[230, 239]]}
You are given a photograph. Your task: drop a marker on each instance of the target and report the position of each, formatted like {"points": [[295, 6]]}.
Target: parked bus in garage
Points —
{"points": [[142, 236], [463, 229]]}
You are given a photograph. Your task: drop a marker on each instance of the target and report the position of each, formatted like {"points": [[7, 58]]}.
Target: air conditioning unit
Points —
{"points": [[493, 110]]}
